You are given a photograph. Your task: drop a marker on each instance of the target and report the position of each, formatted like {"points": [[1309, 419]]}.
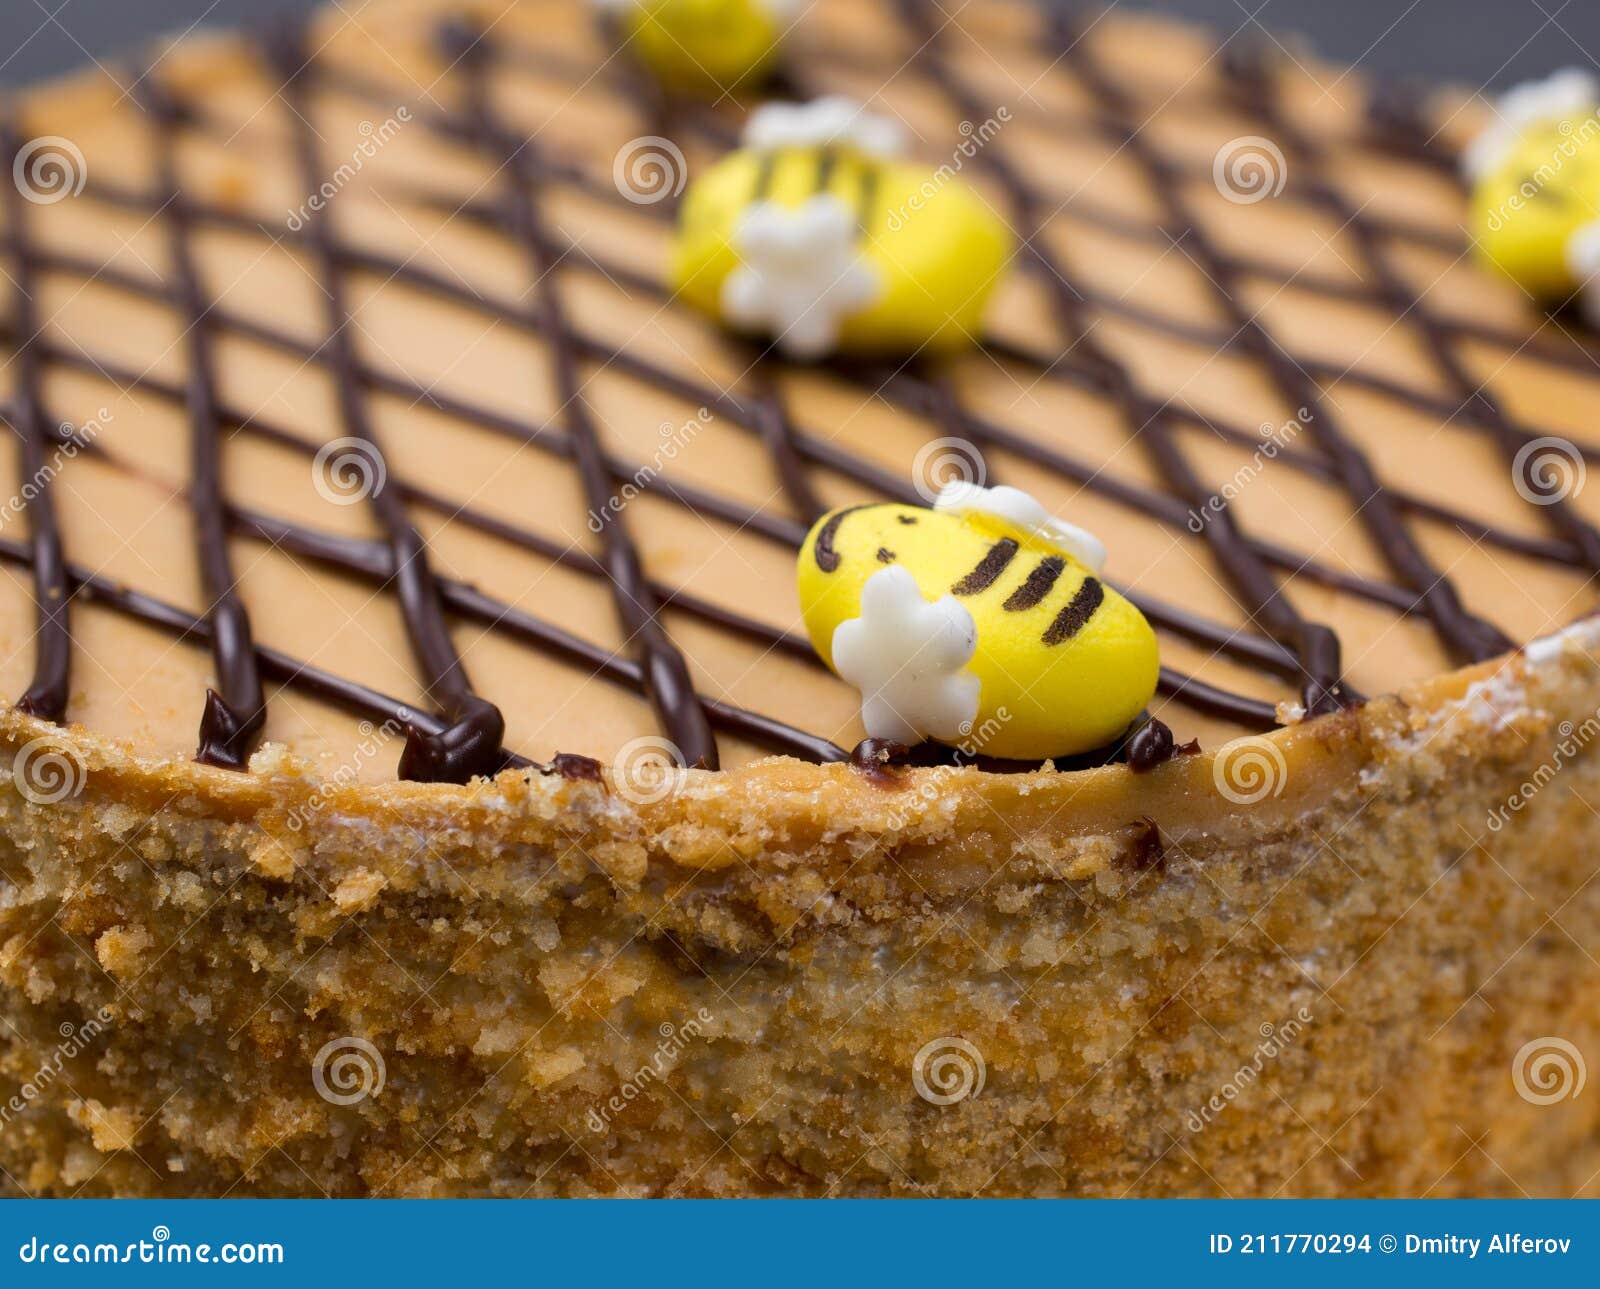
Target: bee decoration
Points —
{"points": [[1535, 174], [814, 232], [981, 622], [704, 46]]}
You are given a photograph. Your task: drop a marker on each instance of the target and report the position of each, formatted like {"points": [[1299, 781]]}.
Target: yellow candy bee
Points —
{"points": [[980, 622], [1536, 186], [815, 235], [706, 45]]}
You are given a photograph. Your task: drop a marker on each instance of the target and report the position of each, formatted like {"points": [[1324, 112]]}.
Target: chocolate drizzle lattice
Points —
{"points": [[521, 175]]}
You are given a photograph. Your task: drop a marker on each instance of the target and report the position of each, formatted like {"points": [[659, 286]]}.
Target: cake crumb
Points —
{"points": [[109, 1128], [273, 857], [359, 892], [121, 950]]}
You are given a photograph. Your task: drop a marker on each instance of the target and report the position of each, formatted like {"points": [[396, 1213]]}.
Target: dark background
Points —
{"points": [[1479, 42]]}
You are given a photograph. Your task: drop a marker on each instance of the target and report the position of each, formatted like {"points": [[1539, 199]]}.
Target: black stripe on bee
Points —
{"points": [[1037, 585], [989, 568], [1080, 608]]}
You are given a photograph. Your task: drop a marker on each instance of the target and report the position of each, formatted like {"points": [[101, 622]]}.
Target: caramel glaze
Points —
{"points": [[465, 738]]}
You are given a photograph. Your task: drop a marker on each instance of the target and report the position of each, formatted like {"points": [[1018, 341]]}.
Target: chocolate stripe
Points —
{"points": [[46, 695], [1469, 638], [1079, 609], [471, 743], [233, 718], [1041, 577], [994, 562], [1315, 645], [668, 683]]}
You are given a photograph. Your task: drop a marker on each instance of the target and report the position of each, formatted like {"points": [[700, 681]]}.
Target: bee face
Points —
{"points": [[1065, 662], [934, 249]]}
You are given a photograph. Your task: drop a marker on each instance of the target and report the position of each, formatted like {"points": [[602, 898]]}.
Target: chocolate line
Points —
{"points": [[233, 718], [994, 562], [1251, 70], [46, 695], [471, 745], [1469, 638], [792, 450], [669, 686], [1075, 616], [348, 695], [1315, 645], [1041, 577]]}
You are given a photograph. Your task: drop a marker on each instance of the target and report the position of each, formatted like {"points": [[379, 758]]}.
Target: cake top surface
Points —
{"points": [[369, 322]]}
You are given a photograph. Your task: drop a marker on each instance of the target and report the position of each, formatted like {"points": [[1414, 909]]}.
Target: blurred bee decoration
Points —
{"points": [[981, 622], [704, 46], [1536, 188], [815, 234]]}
